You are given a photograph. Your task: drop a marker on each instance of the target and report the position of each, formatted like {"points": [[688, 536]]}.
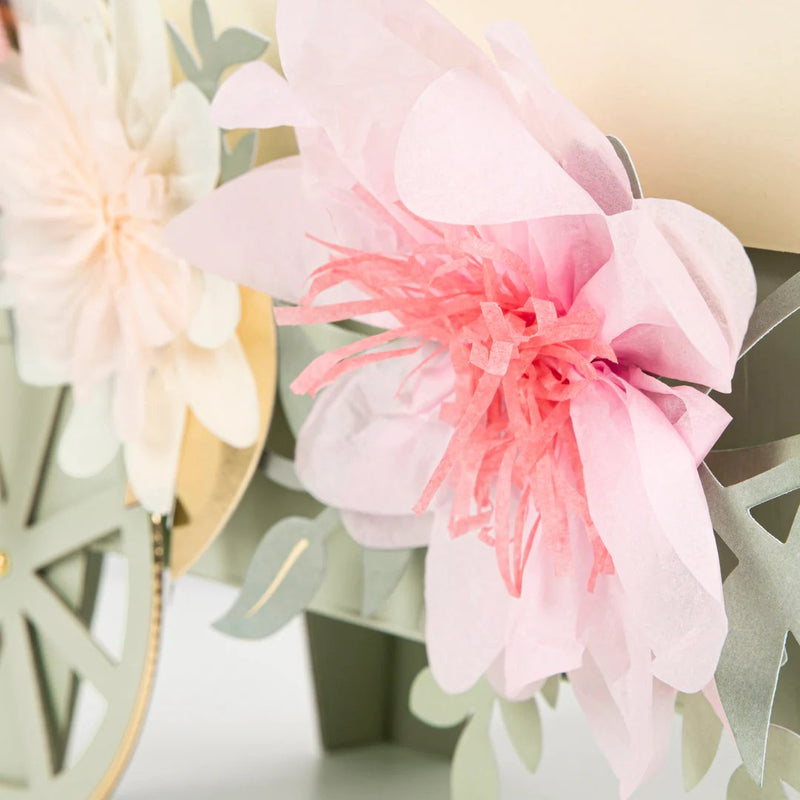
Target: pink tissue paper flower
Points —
{"points": [[97, 153], [507, 415]]}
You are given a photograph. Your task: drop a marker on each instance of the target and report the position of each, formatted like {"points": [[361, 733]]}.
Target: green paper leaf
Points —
{"points": [[762, 594], [700, 736], [383, 570], [782, 767], [524, 726], [550, 690], [202, 26], [238, 46], [474, 772], [240, 159], [433, 706], [188, 64], [295, 353], [282, 579]]}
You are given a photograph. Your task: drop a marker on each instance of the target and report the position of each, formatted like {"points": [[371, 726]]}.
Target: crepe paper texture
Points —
{"points": [[284, 575], [217, 54], [474, 774], [505, 412], [102, 153]]}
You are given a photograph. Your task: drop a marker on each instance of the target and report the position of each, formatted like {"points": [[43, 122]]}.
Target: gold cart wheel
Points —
{"points": [[56, 534]]}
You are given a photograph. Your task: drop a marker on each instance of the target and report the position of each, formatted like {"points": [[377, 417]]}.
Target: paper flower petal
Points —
{"points": [[334, 74], [465, 600], [256, 96], [378, 456], [715, 260], [220, 389], [253, 231], [698, 419], [382, 531], [544, 635], [218, 313], [465, 157], [655, 315], [141, 65], [88, 443], [648, 505], [185, 145], [151, 461], [630, 714], [564, 131]]}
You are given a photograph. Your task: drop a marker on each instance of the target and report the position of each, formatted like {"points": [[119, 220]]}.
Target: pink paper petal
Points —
{"points": [[698, 419], [253, 231], [655, 316], [359, 65], [629, 712], [465, 158], [565, 132], [648, 505], [379, 455], [544, 633], [716, 262], [256, 96], [465, 601], [384, 532]]}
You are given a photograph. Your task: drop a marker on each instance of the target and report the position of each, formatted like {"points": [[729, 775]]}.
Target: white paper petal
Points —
{"points": [[185, 146], [218, 314], [143, 75], [89, 443], [33, 367], [221, 391], [152, 460]]}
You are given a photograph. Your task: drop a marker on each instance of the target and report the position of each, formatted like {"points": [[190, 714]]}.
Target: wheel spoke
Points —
{"points": [[30, 707], [28, 456], [70, 637], [73, 529]]}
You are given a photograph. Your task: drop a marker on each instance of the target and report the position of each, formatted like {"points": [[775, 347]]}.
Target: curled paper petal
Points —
{"points": [[465, 158], [353, 463], [253, 231], [256, 96]]}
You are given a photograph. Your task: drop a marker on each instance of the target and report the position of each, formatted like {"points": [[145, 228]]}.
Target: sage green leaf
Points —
{"points": [[282, 579], [295, 353], [700, 736], [239, 159], [474, 773], [281, 470], [782, 768], [524, 726], [433, 706], [383, 570], [238, 46], [550, 690], [202, 26], [188, 64]]}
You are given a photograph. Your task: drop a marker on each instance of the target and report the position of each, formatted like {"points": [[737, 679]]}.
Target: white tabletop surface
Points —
{"points": [[235, 720]]}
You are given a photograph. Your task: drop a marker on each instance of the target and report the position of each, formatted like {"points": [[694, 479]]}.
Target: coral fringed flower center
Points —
{"points": [[519, 360]]}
